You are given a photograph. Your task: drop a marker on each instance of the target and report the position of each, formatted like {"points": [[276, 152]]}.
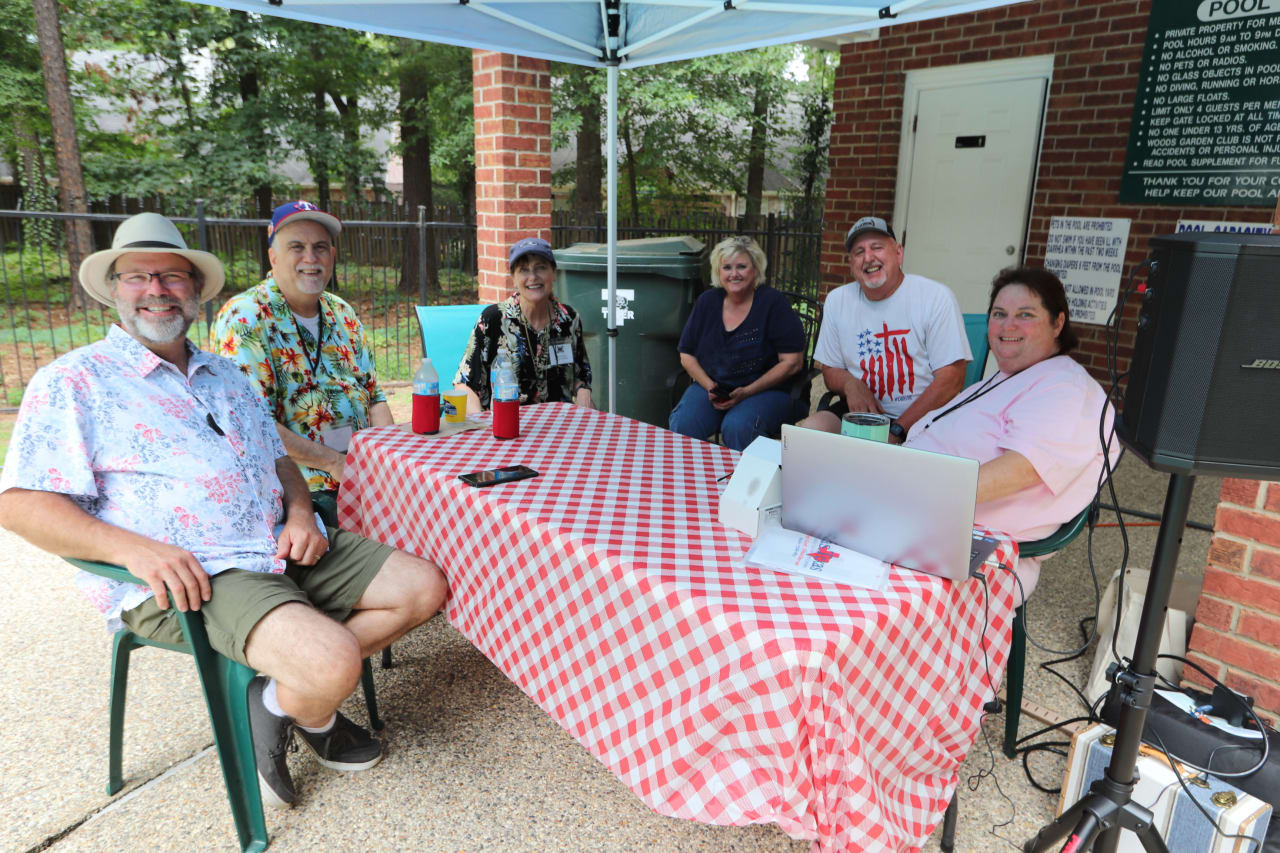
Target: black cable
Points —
{"points": [[1050, 747]]}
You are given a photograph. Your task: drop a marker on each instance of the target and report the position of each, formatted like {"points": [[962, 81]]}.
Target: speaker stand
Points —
{"points": [[1108, 808]]}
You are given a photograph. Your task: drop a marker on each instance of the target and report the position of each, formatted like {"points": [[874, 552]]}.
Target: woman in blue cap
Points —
{"points": [[540, 335]]}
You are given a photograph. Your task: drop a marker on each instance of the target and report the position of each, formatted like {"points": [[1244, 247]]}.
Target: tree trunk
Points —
{"points": [[319, 162], [39, 234], [631, 171], [415, 131], [66, 146], [349, 112], [587, 196], [262, 193], [756, 154]]}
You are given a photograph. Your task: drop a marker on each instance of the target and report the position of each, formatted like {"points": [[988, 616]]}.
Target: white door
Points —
{"points": [[970, 179]]}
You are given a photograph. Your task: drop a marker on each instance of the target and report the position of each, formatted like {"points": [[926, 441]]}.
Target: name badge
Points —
{"points": [[338, 438], [561, 351]]}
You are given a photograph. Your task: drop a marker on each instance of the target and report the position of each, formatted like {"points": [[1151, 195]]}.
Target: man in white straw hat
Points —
{"points": [[144, 451]]}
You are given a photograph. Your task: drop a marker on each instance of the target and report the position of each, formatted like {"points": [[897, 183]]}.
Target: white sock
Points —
{"points": [[270, 701], [323, 728]]}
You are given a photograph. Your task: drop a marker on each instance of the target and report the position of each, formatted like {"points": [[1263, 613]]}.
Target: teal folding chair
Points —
{"points": [[445, 331], [225, 684], [975, 329], [1056, 541]]}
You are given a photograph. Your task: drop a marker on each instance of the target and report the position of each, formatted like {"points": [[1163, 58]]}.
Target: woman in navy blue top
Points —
{"points": [[742, 346]]}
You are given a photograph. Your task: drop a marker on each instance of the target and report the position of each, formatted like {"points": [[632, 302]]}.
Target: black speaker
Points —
{"points": [[1204, 384]]}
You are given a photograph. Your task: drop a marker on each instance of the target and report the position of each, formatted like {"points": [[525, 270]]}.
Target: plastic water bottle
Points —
{"points": [[426, 399], [505, 386], [506, 399]]}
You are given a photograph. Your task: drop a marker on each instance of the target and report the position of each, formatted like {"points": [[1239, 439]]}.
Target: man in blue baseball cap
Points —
{"points": [[304, 349]]}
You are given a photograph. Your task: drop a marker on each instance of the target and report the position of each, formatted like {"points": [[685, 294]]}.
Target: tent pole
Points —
{"points": [[612, 216]]}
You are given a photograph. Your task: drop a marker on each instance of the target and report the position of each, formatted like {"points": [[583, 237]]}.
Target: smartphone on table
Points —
{"points": [[496, 476]]}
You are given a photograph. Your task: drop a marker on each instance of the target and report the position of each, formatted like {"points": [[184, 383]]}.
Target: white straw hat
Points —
{"points": [[147, 232]]}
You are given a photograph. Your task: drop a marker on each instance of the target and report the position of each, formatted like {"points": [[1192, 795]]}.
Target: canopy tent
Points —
{"points": [[609, 34]]}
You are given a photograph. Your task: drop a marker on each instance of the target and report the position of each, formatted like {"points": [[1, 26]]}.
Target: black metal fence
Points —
{"points": [[388, 262]]}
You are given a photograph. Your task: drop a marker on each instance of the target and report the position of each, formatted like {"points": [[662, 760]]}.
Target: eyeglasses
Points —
{"points": [[174, 278]]}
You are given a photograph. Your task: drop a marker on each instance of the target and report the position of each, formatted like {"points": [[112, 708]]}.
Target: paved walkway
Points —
{"points": [[471, 763]]}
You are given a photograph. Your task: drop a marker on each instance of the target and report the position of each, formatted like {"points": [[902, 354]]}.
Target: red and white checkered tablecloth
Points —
{"points": [[606, 589]]}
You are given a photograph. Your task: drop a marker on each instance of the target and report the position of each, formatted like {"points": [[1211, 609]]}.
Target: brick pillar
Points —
{"points": [[513, 160], [1237, 633]]}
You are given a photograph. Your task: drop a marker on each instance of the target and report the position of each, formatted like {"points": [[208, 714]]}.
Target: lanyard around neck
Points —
{"points": [[312, 360], [985, 388]]}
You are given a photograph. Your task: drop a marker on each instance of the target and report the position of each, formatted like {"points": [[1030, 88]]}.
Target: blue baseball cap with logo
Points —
{"points": [[530, 246], [298, 211]]}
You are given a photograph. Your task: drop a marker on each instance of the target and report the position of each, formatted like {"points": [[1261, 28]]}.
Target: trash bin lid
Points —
{"points": [[674, 257]]}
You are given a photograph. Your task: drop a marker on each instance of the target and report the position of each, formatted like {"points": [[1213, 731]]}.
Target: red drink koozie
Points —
{"points": [[506, 418], [426, 414]]}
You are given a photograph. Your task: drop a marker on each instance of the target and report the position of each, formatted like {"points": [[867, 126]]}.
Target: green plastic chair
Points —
{"points": [[226, 686], [1059, 539]]}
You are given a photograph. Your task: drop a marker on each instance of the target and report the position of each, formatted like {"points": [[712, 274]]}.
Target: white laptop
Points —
{"points": [[912, 508]]}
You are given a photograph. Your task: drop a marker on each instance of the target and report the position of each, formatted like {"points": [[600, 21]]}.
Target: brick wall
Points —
{"points": [[1237, 633], [513, 160], [1097, 49]]}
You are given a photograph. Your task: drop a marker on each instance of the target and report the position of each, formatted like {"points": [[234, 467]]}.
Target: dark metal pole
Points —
{"points": [[1146, 648]]}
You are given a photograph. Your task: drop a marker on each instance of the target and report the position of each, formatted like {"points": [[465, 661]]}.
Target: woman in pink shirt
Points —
{"points": [[1035, 425]]}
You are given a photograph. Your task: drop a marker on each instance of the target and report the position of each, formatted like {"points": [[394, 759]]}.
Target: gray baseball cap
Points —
{"points": [[867, 225]]}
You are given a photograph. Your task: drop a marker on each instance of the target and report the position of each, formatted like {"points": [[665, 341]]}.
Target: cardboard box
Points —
{"points": [[755, 488]]}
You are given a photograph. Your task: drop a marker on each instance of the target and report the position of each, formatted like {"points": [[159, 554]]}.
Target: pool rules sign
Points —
{"points": [[1206, 118]]}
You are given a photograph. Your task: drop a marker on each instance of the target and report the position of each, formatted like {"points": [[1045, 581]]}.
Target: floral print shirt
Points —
{"points": [[306, 391], [503, 326], [133, 442]]}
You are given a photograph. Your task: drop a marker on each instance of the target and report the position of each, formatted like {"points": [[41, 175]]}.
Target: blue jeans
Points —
{"points": [[759, 414]]}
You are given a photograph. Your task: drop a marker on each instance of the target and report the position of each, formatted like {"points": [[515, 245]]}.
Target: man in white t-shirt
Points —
{"points": [[890, 342]]}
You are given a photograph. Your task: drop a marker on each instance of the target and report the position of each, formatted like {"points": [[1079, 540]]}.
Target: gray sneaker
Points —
{"points": [[270, 746], [345, 746]]}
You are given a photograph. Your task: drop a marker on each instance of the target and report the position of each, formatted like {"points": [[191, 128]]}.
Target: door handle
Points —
{"points": [[1009, 250]]}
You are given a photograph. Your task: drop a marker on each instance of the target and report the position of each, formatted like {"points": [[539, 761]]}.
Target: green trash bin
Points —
{"points": [[658, 280]]}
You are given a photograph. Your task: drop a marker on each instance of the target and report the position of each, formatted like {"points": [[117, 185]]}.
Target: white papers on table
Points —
{"points": [[800, 554]]}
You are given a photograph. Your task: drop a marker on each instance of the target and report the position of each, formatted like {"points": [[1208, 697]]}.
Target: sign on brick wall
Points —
{"points": [[1087, 253], [1206, 118]]}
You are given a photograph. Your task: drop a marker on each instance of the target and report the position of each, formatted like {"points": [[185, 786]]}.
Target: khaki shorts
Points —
{"points": [[240, 599]]}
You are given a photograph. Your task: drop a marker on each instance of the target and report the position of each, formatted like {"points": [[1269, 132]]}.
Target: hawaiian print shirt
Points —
{"points": [[133, 442], [503, 326], [307, 392]]}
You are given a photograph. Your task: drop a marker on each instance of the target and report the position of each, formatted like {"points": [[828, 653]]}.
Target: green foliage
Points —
{"points": [[685, 128]]}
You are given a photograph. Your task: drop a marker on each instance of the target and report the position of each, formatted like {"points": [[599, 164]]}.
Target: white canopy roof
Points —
{"points": [[605, 32]]}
